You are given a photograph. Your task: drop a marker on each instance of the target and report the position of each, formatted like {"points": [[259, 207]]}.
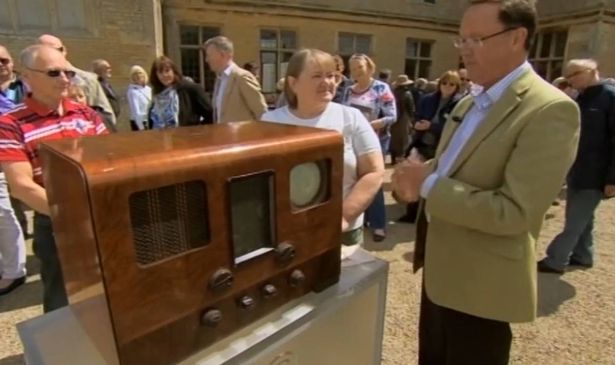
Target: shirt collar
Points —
{"points": [[485, 98], [228, 69], [43, 110]]}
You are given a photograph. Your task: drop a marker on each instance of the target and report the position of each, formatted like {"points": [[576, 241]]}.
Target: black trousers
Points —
{"points": [[44, 247], [449, 337]]}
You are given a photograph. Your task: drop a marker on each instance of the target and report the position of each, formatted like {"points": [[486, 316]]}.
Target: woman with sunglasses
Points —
{"points": [[175, 101], [377, 103], [431, 115]]}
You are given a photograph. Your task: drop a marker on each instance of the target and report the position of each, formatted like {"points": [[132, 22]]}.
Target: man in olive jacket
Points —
{"points": [[500, 163]]}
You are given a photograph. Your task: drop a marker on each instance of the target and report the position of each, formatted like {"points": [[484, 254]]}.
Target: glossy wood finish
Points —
{"points": [[154, 306]]}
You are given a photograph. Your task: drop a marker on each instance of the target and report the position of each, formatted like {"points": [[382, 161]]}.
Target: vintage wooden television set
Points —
{"points": [[170, 240]]}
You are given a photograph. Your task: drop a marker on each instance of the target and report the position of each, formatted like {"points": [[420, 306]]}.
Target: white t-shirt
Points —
{"points": [[359, 137]]}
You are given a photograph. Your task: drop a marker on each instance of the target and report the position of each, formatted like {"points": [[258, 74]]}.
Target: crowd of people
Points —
{"points": [[479, 153]]}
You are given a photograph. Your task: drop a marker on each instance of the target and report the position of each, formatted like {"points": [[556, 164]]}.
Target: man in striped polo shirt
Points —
{"points": [[46, 114]]}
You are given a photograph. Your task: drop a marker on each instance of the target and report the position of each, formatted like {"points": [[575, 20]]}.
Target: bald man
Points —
{"points": [[46, 114], [95, 94]]}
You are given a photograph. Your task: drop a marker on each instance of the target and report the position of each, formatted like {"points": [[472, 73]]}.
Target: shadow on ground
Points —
{"points": [[552, 293], [13, 360]]}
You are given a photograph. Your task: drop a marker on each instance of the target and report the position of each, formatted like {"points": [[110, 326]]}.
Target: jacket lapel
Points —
{"points": [[227, 91], [497, 114], [451, 126]]}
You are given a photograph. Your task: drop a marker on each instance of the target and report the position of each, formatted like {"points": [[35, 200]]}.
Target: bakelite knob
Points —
{"points": [[296, 278], [211, 318], [246, 302], [269, 291], [285, 252], [221, 280]]}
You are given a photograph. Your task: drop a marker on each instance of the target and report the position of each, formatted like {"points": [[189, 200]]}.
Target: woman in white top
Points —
{"points": [[309, 89], [139, 97]]}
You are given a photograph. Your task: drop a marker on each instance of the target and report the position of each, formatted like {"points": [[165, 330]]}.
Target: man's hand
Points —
{"points": [[609, 191], [409, 176], [422, 125]]}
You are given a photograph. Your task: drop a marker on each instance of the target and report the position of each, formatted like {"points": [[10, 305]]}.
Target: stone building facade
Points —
{"points": [[406, 36]]}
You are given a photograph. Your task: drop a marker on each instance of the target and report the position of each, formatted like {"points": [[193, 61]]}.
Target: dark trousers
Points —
{"points": [[44, 247], [449, 337]]}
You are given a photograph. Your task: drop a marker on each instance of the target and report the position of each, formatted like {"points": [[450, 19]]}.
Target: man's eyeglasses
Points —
{"points": [[476, 42], [5, 61], [55, 73]]}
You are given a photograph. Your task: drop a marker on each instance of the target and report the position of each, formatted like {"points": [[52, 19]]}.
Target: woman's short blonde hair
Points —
{"points": [[450, 76], [297, 64], [135, 70], [371, 65]]}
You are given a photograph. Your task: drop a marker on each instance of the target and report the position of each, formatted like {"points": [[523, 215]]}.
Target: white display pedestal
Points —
{"points": [[341, 325]]}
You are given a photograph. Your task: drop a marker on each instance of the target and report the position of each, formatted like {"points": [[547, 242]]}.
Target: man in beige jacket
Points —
{"points": [[501, 161], [237, 93]]}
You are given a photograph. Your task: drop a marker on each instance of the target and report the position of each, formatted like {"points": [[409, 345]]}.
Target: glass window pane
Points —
{"points": [[561, 39], [555, 69], [33, 14], [545, 47], [412, 48], [425, 50], [410, 68], [424, 69], [191, 62], [5, 15], [284, 64], [363, 44], [541, 68], [288, 39], [269, 39], [346, 43], [71, 14], [534, 47], [269, 73], [209, 32], [189, 35]]}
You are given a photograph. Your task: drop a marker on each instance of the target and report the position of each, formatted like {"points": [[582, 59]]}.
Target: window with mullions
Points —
{"points": [[351, 43], [193, 65], [418, 58], [277, 46], [548, 53]]}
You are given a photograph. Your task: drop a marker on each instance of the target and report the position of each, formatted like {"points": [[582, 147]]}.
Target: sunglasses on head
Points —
{"points": [[55, 73], [5, 61]]}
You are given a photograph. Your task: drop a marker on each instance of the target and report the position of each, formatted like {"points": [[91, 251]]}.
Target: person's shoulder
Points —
{"points": [[185, 85], [276, 115], [542, 92], [17, 113]]}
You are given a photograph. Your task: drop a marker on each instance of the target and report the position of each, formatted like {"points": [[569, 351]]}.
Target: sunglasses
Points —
{"points": [[55, 73], [5, 61], [465, 79], [448, 84]]}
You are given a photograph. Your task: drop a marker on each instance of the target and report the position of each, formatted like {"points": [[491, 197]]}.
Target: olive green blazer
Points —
{"points": [[479, 247]]}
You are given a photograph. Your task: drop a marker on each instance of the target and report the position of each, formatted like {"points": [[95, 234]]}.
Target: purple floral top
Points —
{"points": [[376, 102]]}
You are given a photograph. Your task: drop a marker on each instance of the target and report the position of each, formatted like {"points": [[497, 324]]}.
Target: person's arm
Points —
{"points": [[533, 175], [388, 109], [251, 94], [370, 173], [201, 104], [133, 105], [99, 100], [610, 176], [21, 181]]}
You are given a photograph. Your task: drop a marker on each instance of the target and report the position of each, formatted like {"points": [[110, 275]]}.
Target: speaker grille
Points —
{"points": [[169, 220]]}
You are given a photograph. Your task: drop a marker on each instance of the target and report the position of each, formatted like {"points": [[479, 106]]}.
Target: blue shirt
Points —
{"points": [[483, 101], [223, 78]]}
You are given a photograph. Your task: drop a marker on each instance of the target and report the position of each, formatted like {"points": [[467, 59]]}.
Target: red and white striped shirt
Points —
{"points": [[28, 124]]}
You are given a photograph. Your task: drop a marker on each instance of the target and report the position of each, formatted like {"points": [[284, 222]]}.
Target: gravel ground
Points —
{"points": [[576, 323]]}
